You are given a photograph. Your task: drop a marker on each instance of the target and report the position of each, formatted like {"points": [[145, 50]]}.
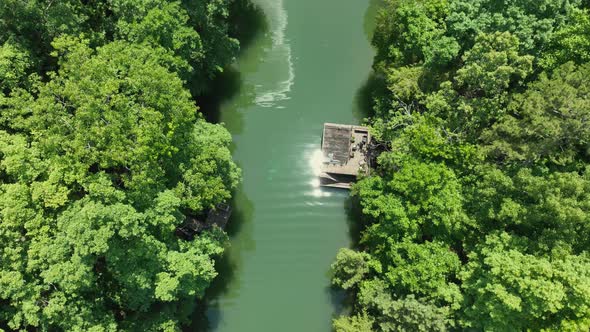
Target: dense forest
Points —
{"points": [[103, 153], [478, 214]]}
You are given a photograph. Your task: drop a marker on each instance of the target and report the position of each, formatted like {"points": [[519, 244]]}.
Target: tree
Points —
{"points": [[550, 209], [406, 29], [479, 94], [402, 314], [424, 269], [358, 323], [15, 64], [98, 169], [571, 42], [475, 215], [350, 268], [417, 200], [507, 289], [547, 124], [532, 22], [196, 32]]}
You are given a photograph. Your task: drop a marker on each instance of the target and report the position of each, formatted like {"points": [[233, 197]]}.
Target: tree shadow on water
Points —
{"points": [[247, 22], [372, 89], [223, 88], [341, 301], [208, 314], [369, 21], [355, 220]]}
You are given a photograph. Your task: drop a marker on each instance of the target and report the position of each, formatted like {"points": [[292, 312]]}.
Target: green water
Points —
{"points": [[307, 67]]}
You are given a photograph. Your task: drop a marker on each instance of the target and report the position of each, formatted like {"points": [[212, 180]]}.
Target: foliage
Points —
{"points": [[552, 210], [476, 214], [571, 42], [358, 323], [401, 314], [350, 268], [196, 32], [14, 65], [548, 123], [103, 154], [522, 291]]}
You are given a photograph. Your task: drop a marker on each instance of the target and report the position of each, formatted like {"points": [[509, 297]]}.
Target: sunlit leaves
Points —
{"points": [[476, 216], [507, 289], [90, 195]]}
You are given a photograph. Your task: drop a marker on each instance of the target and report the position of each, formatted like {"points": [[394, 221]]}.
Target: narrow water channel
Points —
{"points": [[305, 69]]}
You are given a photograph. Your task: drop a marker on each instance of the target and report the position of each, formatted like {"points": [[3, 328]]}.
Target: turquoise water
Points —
{"points": [[305, 69]]}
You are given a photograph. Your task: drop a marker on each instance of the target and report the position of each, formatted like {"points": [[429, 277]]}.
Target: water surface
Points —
{"points": [[305, 69]]}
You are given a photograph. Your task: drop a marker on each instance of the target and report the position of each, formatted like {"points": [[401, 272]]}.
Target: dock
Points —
{"points": [[345, 150]]}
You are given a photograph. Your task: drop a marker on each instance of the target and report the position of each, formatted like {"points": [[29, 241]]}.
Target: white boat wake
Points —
{"points": [[278, 58]]}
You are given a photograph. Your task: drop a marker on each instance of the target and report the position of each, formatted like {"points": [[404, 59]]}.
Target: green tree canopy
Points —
{"points": [[506, 289], [99, 167], [546, 124], [475, 216], [196, 32]]}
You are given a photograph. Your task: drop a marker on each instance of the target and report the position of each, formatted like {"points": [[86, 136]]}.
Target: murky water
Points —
{"points": [[305, 69]]}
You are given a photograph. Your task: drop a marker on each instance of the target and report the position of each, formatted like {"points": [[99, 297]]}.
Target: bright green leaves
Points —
{"points": [[194, 34], [160, 24], [350, 268], [99, 166], [441, 52], [552, 209], [571, 42], [102, 158], [478, 94], [425, 269], [507, 289], [358, 323], [118, 111], [211, 169], [188, 274], [405, 30], [493, 64], [399, 314], [419, 199], [476, 216], [14, 65], [532, 22]]}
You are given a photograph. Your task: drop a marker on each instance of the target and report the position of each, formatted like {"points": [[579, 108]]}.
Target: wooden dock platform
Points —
{"points": [[344, 149]]}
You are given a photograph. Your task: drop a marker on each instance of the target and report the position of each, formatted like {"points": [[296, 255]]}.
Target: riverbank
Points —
{"points": [[304, 69]]}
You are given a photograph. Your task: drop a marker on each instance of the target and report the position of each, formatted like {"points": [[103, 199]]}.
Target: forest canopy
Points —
{"points": [[477, 216], [103, 154]]}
